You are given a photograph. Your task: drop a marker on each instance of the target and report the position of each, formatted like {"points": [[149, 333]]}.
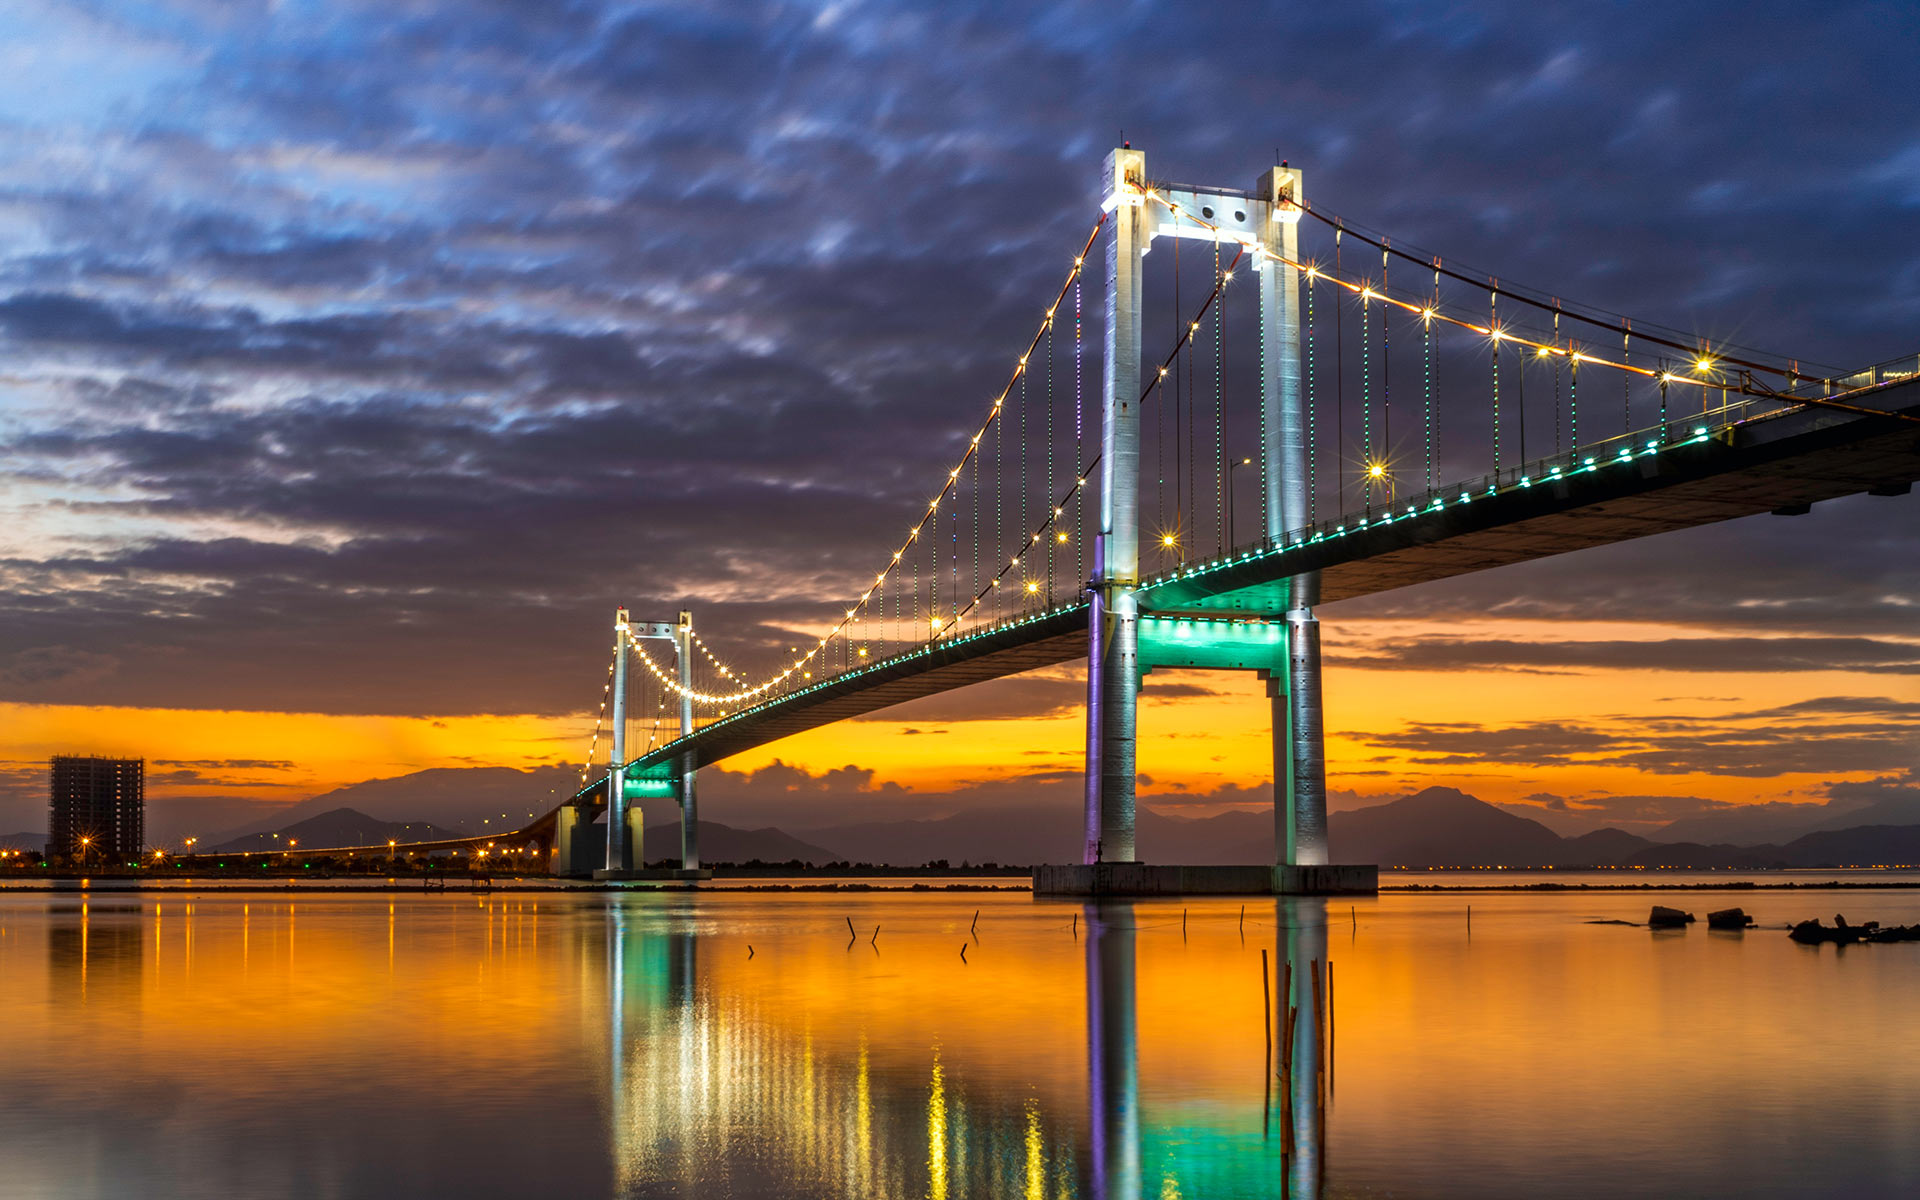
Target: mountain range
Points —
{"points": [[725, 844], [338, 827], [1436, 827], [1443, 827]]}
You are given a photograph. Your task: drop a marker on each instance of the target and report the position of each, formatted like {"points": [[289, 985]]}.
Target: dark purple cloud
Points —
{"points": [[361, 358]]}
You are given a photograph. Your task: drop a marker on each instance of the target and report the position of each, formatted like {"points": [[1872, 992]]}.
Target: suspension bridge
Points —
{"points": [[1394, 417]]}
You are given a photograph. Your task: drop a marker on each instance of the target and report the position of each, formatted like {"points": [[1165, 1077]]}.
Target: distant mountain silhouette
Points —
{"points": [[1760, 824], [1017, 834], [340, 827], [725, 844], [1437, 827], [1601, 848], [1442, 827], [1021, 835], [35, 842], [467, 800], [1694, 854], [1890, 810], [1860, 846]]}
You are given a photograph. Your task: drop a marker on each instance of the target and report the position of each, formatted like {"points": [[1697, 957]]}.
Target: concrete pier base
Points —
{"points": [[660, 875], [1327, 879], [1162, 879]]}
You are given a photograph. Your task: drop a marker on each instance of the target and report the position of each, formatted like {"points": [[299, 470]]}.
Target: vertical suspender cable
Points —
{"points": [[1160, 414], [1493, 327], [1021, 551], [1386, 382], [1366, 399], [1573, 412], [1626, 377], [1000, 499], [1426, 376], [1340, 387], [1219, 408], [1189, 524], [1313, 397], [1050, 538], [1556, 378], [1520, 403]]}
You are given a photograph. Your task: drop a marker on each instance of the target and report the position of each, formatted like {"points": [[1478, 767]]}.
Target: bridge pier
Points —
{"points": [[1119, 648], [1299, 749], [1113, 680]]}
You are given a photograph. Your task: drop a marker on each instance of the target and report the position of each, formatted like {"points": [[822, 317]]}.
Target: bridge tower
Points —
{"points": [[626, 822], [619, 847], [1268, 214]]}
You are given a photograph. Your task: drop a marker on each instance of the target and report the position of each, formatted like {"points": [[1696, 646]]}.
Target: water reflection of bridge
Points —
{"points": [[715, 1088]]}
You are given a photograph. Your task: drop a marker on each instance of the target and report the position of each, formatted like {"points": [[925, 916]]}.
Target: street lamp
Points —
{"points": [[1245, 462]]}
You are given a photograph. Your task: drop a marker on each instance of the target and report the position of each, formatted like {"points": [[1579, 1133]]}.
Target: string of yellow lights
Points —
{"points": [[1428, 312], [914, 533], [1086, 470], [593, 746]]}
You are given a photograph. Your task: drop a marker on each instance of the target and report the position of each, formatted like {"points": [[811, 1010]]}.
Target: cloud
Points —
{"points": [[228, 764], [1770, 655], [1754, 745], [40, 665], [362, 357]]}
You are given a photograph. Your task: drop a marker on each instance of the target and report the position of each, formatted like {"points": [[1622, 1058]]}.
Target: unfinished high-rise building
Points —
{"points": [[98, 808]]}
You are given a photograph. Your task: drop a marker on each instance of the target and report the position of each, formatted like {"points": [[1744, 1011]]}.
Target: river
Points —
{"points": [[745, 1043]]}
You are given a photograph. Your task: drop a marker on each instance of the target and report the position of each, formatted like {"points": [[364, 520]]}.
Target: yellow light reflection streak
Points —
{"points": [[937, 1134]]}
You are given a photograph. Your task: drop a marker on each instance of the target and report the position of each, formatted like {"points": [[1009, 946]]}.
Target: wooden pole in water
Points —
{"points": [[975, 927], [850, 932], [1286, 1081], [1266, 1005], [1286, 1032], [1330, 1011]]}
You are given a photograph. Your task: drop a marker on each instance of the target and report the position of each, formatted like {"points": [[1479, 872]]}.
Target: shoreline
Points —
{"points": [[545, 887]]}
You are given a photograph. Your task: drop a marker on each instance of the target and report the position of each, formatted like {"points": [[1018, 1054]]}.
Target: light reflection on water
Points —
{"points": [[363, 1045]]}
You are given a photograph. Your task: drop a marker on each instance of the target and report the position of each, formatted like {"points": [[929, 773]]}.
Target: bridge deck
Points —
{"points": [[1056, 636], [1784, 460], [1789, 459], [1796, 457]]}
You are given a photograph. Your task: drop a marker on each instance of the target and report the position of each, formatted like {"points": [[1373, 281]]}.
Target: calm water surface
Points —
{"points": [[632, 1045]]}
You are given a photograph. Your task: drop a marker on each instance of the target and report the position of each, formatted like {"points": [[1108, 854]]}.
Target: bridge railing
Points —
{"points": [[1893, 370], [1736, 409]]}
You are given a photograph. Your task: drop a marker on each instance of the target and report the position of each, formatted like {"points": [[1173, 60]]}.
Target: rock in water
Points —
{"points": [[1663, 917], [1813, 933], [1729, 918]]}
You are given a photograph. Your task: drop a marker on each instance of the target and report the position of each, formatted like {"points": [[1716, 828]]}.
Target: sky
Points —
{"points": [[360, 358]]}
